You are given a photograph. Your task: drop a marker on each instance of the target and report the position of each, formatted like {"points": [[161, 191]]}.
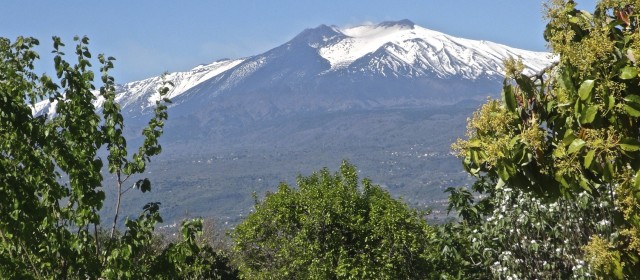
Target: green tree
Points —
{"points": [[332, 228], [192, 258], [570, 134], [51, 185]]}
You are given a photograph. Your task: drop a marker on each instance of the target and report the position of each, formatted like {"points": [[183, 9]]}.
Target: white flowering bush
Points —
{"points": [[525, 237]]}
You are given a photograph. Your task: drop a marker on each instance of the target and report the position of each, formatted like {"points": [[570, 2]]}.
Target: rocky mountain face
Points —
{"points": [[389, 97]]}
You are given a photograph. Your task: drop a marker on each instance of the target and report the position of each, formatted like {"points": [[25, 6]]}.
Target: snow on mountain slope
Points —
{"points": [[360, 41], [423, 51], [144, 94], [389, 49], [328, 54]]}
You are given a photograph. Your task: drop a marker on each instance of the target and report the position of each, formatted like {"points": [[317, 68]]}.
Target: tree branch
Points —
{"points": [[118, 200], [540, 74]]}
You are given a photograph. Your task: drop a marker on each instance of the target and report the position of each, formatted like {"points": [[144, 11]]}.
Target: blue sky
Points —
{"points": [[148, 37]]}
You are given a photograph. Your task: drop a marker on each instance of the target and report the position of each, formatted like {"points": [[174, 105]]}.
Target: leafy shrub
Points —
{"points": [[332, 228]]}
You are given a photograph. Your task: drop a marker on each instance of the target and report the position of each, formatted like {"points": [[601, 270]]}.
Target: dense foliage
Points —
{"points": [[561, 153], [51, 185], [330, 227]]}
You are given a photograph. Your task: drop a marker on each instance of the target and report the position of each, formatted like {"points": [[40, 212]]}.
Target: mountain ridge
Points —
{"points": [[396, 49]]}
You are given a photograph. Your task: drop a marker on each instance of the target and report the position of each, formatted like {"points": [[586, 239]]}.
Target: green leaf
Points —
{"points": [[144, 185], [474, 157], [632, 98], [588, 114], [628, 72], [610, 101], [636, 181], [516, 140], [584, 184], [588, 159], [575, 20], [633, 111], [566, 81], [568, 137], [578, 107], [632, 106], [576, 146], [509, 96], [609, 171], [560, 179], [526, 85], [503, 172], [585, 89], [629, 145]]}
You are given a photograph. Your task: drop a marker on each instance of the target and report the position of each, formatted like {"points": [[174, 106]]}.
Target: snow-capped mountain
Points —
{"points": [[402, 48], [391, 97], [328, 59]]}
